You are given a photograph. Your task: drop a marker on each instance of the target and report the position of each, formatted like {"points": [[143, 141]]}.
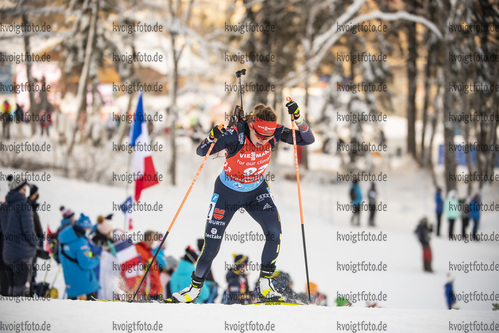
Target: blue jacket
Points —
{"points": [[475, 209], [358, 194], [439, 202], [18, 228], [79, 267], [450, 297], [64, 224], [160, 258], [181, 279]]}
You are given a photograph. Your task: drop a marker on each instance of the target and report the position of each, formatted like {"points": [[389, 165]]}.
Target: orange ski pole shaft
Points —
{"points": [[299, 198]]}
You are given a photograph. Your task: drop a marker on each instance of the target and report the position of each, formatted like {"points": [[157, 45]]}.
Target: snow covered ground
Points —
{"points": [[413, 300]]}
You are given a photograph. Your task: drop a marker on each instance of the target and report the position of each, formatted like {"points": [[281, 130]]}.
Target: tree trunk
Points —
{"points": [[33, 108], [449, 156], [174, 112], [81, 97], [423, 153], [411, 87]]}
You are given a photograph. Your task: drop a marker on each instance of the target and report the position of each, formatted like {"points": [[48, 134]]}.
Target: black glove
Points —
{"points": [[217, 131], [42, 254], [293, 109]]}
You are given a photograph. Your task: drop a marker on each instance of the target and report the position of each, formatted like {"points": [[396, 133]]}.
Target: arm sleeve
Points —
{"points": [[304, 135], [83, 257], [226, 141]]}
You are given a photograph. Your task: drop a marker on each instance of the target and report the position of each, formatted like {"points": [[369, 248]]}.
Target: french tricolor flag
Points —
{"points": [[142, 161]]}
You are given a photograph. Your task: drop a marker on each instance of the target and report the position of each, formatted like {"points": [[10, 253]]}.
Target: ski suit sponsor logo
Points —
{"points": [[213, 236], [262, 197], [213, 202], [220, 223], [219, 213]]}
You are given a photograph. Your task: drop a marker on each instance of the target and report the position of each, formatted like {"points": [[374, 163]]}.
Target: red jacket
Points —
{"points": [[152, 283]]}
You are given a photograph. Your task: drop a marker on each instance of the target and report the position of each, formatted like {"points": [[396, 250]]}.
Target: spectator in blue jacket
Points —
{"points": [[439, 208], [475, 214], [20, 239], [181, 278], [68, 218], [78, 261], [356, 200]]}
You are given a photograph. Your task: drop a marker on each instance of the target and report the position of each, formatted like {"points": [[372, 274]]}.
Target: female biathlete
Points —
{"points": [[241, 183]]}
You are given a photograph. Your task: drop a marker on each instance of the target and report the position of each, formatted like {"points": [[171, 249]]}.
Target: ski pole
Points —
{"points": [[299, 199], [175, 217]]}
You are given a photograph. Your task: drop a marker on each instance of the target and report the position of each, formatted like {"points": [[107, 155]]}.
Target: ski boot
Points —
{"points": [[189, 294], [267, 291]]}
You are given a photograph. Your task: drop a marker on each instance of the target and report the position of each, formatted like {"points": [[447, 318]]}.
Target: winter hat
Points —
{"points": [[313, 288], [240, 259], [15, 183], [170, 263], [66, 212], [84, 222], [105, 227], [32, 189], [191, 255]]}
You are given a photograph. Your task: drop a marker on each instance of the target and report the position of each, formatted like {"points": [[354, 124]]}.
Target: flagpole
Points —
{"points": [[126, 192], [125, 229]]}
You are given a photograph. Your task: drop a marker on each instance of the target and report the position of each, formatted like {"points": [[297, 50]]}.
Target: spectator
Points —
{"points": [[68, 218], [151, 288], [316, 296], [356, 199], [170, 266], [450, 297], [284, 285], [181, 278], [102, 234], [371, 195], [451, 209], [45, 121], [464, 206], [237, 282], [439, 208], [19, 248], [475, 214], [423, 231], [78, 261], [19, 114], [40, 253], [6, 109]]}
